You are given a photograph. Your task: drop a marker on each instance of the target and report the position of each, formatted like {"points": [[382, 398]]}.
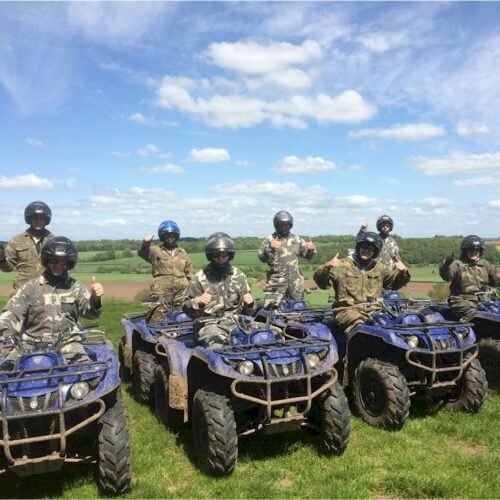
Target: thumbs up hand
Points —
{"points": [[96, 289], [275, 243], [333, 262]]}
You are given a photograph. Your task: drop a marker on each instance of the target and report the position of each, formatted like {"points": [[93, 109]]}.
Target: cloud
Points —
{"points": [[150, 150], [209, 155], [382, 42], [254, 58], [291, 79], [476, 181], [435, 202], [295, 165], [465, 129], [139, 118], [355, 200], [408, 132], [28, 181], [168, 168], [272, 189], [457, 164], [37, 143], [494, 203]]}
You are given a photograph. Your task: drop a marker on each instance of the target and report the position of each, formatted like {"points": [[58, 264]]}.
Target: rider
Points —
{"points": [[171, 268], [358, 281], [218, 292], [390, 249], [468, 275], [52, 303], [281, 251], [22, 252]]}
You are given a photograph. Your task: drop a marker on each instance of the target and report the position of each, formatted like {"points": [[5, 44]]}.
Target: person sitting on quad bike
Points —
{"points": [[468, 276], [216, 293], [171, 268], [390, 249], [52, 303], [358, 281]]}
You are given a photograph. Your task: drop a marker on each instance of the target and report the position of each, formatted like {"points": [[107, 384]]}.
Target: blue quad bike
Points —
{"points": [[54, 413], [486, 321], [266, 379], [407, 349]]}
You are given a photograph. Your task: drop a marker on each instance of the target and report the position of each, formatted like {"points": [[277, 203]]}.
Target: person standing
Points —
{"points": [[390, 249], [281, 251], [22, 253]]}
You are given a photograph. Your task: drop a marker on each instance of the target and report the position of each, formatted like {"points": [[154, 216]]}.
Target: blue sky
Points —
{"points": [[218, 114]]}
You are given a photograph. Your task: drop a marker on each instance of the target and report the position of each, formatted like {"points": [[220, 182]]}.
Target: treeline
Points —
{"points": [[414, 251]]}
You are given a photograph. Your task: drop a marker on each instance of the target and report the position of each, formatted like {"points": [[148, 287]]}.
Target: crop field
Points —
{"points": [[438, 454]]}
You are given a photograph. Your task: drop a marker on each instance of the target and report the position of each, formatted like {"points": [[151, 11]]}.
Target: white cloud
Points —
{"points": [[458, 163], [355, 200], [37, 143], [168, 168], [273, 189], [209, 155], [295, 165], [465, 129], [494, 203], [151, 150], [291, 79], [435, 202], [382, 42], [408, 132], [476, 181], [27, 181], [254, 58], [139, 118]]}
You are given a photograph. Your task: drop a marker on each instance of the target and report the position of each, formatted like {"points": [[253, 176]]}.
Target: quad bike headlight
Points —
{"points": [[79, 390], [313, 360], [412, 341], [246, 368]]}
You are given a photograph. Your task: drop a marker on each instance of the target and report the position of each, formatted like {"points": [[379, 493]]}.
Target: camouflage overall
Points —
{"points": [[172, 271], [44, 307], [284, 277], [466, 280], [22, 253], [357, 290], [227, 288]]}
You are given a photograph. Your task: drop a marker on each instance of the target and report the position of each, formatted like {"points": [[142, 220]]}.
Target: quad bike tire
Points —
{"points": [[214, 433], [489, 356], [331, 417], [170, 417], [125, 375], [143, 377], [381, 394], [471, 391], [113, 461]]}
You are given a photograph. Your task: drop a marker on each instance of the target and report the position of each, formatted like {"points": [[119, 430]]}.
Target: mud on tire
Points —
{"points": [[471, 391], [381, 394], [170, 417], [143, 377], [489, 357], [214, 433], [113, 463]]}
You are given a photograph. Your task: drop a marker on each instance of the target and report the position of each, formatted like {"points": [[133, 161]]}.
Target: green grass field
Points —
{"points": [[436, 455]]}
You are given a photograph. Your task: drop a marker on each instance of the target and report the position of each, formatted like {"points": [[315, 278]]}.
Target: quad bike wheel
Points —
{"points": [[143, 377], [124, 371], [214, 433], [381, 394], [330, 415], [471, 391], [170, 417], [489, 356], [113, 463]]}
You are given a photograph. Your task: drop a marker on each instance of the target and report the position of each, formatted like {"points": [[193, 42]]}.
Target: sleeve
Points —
{"points": [[395, 279], [304, 252], [195, 289], [247, 309], [322, 277], [145, 251], [88, 306], [266, 251], [14, 313], [10, 261]]}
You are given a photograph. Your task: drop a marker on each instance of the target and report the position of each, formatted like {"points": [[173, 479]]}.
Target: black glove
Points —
{"points": [[2, 250], [447, 262]]}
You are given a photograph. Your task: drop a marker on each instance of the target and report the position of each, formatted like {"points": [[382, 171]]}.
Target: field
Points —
{"points": [[437, 454]]}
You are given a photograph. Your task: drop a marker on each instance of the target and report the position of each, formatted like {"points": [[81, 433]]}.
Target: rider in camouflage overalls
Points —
{"points": [[390, 249]]}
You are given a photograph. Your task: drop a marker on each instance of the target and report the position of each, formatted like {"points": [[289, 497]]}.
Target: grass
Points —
{"points": [[438, 455]]}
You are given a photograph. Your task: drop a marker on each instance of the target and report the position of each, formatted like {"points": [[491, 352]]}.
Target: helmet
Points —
{"points": [[472, 242], [36, 208], [59, 248], [283, 217], [384, 219], [369, 237], [168, 226], [218, 234], [219, 244]]}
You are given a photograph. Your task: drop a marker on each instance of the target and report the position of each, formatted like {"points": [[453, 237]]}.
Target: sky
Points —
{"points": [[216, 115]]}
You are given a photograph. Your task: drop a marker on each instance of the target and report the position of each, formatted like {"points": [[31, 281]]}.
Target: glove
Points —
{"points": [[2, 251], [447, 262]]}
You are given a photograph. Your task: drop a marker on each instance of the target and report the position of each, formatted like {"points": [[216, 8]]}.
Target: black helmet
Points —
{"points": [[59, 248], [283, 217], [219, 244], [168, 226], [471, 242], [218, 234], [36, 208], [385, 219], [369, 237]]}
